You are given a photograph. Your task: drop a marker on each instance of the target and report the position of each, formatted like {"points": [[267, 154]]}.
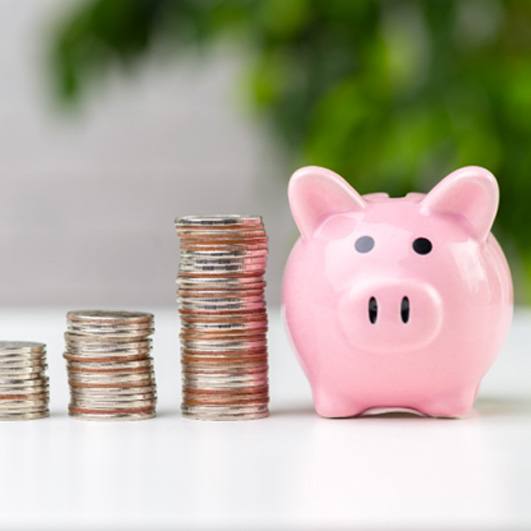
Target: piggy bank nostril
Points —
{"points": [[373, 310], [404, 309]]}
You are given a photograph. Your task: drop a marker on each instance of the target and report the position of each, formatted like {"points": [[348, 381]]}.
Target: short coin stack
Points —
{"points": [[110, 369], [220, 288], [23, 381]]}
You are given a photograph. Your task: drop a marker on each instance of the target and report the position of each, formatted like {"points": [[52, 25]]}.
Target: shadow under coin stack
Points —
{"points": [[220, 288], [23, 382], [110, 369]]}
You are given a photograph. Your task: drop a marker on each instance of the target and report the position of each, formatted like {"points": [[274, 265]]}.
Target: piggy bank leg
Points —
{"points": [[454, 405], [333, 405]]}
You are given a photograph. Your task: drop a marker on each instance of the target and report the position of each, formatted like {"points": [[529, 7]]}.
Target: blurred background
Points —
{"points": [[118, 115]]}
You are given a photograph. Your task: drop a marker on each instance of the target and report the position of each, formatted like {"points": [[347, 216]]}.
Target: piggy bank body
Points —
{"points": [[396, 302]]}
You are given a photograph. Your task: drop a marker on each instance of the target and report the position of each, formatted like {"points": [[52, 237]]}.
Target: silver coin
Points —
{"points": [[224, 413], [21, 346], [77, 381], [109, 317], [23, 363], [83, 377], [211, 296], [23, 384], [224, 345], [23, 405], [104, 385], [98, 403], [105, 327], [233, 269], [113, 416], [232, 305], [29, 357], [103, 397], [115, 399], [219, 220], [31, 415], [97, 340], [107, 352], [23, 393], [22, 373], [113, 333], [108, 335], [224, 327], [136, 406], [109, 366], [213, 234], [27, 377], [115, 391], [223, 385], [236, 249], [224, 256], [117, 403], [198, 262]]}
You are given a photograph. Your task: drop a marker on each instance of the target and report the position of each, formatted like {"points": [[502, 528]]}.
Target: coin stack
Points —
{"points": [[110, 369], [220, 288], [23, 381]]}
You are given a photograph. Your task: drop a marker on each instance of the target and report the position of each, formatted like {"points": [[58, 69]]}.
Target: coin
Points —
{"points": [[108, 317], [109, 364], [23, 380], [220, 292]]}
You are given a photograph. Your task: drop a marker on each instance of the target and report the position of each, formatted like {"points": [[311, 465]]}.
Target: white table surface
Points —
{"points": [[293, 470]]}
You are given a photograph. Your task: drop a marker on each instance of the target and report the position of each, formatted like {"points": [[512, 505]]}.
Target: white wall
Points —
{"points": [[87, 200]]}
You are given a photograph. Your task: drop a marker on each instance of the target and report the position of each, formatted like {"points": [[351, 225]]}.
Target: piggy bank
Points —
{"points": [[396, 302]]}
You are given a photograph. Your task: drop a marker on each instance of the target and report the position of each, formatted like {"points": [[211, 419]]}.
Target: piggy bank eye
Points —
{"points": [[422, 246], [364, 244]]}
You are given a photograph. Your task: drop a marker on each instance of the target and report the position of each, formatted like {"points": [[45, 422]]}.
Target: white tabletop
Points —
{"points": [[293, 470]]}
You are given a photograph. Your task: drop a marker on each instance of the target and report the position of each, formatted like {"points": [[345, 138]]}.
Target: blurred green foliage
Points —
{"points": [[391, 94]]}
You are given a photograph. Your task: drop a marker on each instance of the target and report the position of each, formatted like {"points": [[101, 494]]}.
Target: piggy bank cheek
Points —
{"points": [[390, 316]]}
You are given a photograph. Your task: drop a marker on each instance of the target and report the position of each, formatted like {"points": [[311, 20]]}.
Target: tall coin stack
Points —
{"points": [[220, 288], [23, 381], [110, 369]]}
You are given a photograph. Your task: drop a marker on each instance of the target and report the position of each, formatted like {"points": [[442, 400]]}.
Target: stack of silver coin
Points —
{"points": [[23, 382], [110, 369], [220, 289]]}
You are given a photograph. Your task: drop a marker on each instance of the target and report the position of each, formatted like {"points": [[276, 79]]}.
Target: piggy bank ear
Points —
{"points": [[316, 193], [470, 195]]}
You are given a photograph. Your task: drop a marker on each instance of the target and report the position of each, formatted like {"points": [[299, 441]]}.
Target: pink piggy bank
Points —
{"points": [[396, 303]]}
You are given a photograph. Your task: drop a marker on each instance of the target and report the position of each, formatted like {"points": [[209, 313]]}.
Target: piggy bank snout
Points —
{"points": [[388, 315]]}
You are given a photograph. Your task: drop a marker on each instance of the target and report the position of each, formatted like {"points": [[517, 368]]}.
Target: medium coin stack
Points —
{"points": [[220, 289], [23, 382], [110, 369]]}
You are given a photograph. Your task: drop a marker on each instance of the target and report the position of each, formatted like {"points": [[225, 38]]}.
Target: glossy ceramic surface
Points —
{"points": [[396, 302]]}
